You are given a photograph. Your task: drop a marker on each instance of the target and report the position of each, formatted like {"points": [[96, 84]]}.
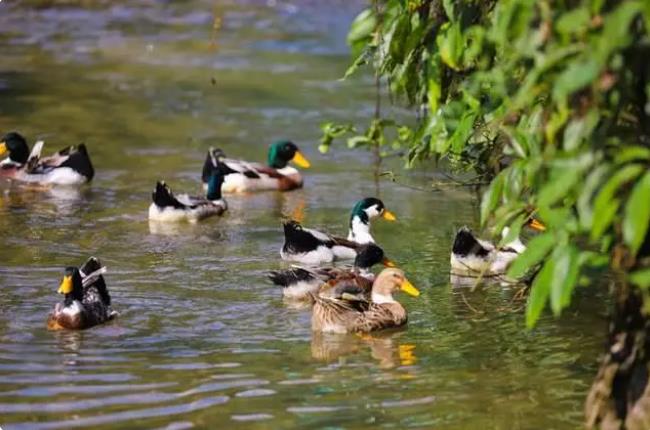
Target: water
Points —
{"points": [[203, 340]]}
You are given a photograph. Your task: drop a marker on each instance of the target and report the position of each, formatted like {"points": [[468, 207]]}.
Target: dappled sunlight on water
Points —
{"points": [[203, 339]]}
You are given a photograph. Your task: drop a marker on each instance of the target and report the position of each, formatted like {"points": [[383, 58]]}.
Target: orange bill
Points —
{"points": [[388, 216], [408, 288], [300, 160]]}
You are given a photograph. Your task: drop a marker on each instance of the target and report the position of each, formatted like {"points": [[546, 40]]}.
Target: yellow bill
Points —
{"points": [[388, 263], [389, 216], [408, 288], [66, 285], [3, 148], [300, 160], [536, 225]]}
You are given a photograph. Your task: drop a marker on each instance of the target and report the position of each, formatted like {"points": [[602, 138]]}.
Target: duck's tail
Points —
{"points": [[285, 278], [92, 271], [78, 160], [466, 244], [163, 197]]}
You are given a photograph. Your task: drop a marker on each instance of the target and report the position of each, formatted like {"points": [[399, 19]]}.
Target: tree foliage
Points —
{"points": [[548, 101]]}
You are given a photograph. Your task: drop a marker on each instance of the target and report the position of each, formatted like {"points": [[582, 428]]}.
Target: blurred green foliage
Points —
{"points": [[548, 101]]}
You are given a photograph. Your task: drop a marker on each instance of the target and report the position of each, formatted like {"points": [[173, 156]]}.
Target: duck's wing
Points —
{"points": [[249, 169], [93, 281], [74, 157], [331, 312], [380, 316], [191, 201]]}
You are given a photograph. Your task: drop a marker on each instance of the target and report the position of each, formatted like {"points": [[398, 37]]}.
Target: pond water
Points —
{"points": [[203, 339]]}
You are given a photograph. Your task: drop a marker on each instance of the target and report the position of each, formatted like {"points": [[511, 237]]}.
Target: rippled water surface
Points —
{"points": [[203, 340]]}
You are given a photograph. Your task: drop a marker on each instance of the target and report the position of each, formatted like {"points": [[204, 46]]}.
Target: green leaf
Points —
{"points": [[605, 205], [361, 30], [578, 75], [565, 277], [536, 250], [450, 44], [640, 278], [356, 141], [539, 293], [637, 214], [559, 186], [491, 196], [632, 153]]}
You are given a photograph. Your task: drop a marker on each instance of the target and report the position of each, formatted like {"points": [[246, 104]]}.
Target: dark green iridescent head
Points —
{"points": [[283, 151]]}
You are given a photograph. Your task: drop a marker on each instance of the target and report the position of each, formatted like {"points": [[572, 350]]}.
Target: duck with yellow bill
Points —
{"points": [[69, 166], [314, 247], [300, 282], [243, 176], [348, 312], [86, 302], [471, 256]]}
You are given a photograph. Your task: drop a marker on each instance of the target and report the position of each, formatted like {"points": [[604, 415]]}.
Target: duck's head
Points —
{"points": [[16, 145], [215, 180], [390, 281], [283, 151], [71, 285], [368, 209], [371, 254]]}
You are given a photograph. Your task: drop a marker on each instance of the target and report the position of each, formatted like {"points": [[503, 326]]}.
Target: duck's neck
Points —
{"points": [[379, 298], [360, 230]]}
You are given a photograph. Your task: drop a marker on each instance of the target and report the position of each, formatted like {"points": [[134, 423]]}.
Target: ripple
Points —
{"points": [[251, 417], [256, 393], [317, 409], [161, 411]]}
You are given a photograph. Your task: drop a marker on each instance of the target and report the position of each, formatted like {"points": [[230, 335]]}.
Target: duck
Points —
{"points": [[243, 176], [166, 207], [300, 282], [471, 256], [69, 166], [364, 211], [86, 302], [346, 312], [313, 247]]}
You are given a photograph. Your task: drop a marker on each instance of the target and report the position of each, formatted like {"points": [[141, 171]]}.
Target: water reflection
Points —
{"points": [[384, 347]]}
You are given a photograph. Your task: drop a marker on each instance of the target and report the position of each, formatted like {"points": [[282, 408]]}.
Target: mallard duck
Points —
{"points": [[69, 166], [346, 313], [313, 247], [242, 176], [471, 256], [300, 282], [363, 212], [169, 208], [86, 303]]}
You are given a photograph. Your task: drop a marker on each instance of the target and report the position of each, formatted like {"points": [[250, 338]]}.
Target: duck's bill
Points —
{"points": [[389, 216], [300, 160], [3, 148], [408, 288], [536, 225], [388, 263], [66, 285]]}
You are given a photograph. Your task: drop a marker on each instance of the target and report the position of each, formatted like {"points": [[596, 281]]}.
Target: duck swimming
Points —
{"points": [[313, 247], [167, 207], [344, 312], [300, 282], [471, 256], [69, 166], [86, 302], [242, 176]]}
